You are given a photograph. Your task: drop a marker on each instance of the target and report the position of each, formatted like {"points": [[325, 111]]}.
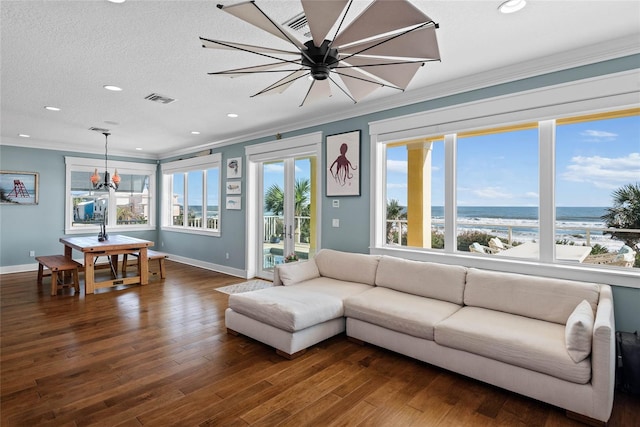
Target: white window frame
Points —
{"points": [[606, 93], [79, 164], [200, 163]]}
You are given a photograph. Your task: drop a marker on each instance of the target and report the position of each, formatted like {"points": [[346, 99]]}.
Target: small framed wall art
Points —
{"points": [[19, 188], [234, 203], [234, 187], [234, 167], [343, 164]]}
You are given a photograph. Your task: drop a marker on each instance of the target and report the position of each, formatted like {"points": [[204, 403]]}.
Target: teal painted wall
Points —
{"points": [[38, 227], [24, 228]]}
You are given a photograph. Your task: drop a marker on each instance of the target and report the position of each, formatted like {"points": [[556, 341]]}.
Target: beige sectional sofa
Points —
{"points": [[549, 339]]}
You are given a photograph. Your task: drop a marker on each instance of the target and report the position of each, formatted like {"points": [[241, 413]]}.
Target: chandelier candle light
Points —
{"points": [[114, 182], [107, 183]]}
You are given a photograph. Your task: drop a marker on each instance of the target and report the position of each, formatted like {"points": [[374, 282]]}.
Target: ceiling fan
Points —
{"points": [[384, 46]]}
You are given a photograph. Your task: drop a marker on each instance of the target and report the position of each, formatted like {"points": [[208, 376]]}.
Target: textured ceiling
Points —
{"points": [[61, 53]]}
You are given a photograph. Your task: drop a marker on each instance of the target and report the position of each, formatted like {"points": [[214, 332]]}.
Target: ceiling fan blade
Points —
{"points": [[419, 44], [251, 13], [399, 74], [282, 84], [221, 44], [381, 17], [319, 89], [321, 16], [358, 83], [239, 72]]}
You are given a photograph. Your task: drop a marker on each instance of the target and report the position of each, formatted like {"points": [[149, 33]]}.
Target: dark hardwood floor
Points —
{"points": [[160, 355]]}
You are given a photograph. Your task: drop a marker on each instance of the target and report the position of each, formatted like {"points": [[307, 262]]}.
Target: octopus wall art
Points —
{"points": [[343, 164]]}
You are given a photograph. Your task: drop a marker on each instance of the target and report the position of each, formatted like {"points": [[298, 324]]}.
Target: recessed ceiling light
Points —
{"points": [[24, 135], [51, 108], [116, 1], [138, 148], [511, 6], [112, 88], [195, 132], [232, 115]]}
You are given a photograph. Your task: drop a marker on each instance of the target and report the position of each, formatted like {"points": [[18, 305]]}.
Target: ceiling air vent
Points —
{"points": [[101, 130], [156, 97], [299, 24]]}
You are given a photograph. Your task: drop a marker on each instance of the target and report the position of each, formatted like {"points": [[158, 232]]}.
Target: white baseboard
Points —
{"points": [[194, 262]]}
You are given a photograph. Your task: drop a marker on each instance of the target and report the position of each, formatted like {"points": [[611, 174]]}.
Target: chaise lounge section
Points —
{"points": [[549, 339]]}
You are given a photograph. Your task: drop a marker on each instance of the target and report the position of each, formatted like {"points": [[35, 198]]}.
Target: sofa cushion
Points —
{"points": [[426, 279], [290, 308], [296, 272], [333, 287], [347, 266], [578, 332], [541, 298], [399, 311], [529, 343]]}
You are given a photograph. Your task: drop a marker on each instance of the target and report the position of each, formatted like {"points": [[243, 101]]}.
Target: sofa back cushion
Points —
{"points": [[541, 298], [348, 266], [296, 272], [426, 279]]}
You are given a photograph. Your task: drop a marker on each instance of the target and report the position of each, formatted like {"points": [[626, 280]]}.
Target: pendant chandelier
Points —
{"points": [[108, 182]]}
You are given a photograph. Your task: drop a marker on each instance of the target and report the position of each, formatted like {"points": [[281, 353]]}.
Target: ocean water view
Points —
{"points": [[572, 223]]}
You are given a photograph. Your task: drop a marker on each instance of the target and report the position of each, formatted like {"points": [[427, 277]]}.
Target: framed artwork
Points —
{"points": [[234, 203], [234, 187], [343, 164], [19, 188], [234, 167]]}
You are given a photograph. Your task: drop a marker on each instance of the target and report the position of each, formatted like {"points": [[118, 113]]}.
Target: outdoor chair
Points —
{"points": [[480, 249], [498, 245], [625, 257]]}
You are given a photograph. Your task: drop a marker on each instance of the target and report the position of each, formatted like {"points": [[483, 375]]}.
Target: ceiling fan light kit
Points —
{"points": [[384, 46]]}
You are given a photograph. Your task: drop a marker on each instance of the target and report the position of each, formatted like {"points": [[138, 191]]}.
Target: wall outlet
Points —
{"points": [[32, 253], [227, 255], [335, 222]]}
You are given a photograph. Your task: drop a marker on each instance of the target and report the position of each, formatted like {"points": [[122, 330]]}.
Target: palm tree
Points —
{"points": [[394, 212], [625, 213], [274, 202]]}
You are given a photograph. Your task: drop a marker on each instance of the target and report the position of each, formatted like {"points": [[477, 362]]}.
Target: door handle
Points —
{"points": [[290, 232]]}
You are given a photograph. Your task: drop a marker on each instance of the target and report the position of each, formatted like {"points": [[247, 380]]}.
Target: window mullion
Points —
{"points": [[547, 214], [450, 203]]}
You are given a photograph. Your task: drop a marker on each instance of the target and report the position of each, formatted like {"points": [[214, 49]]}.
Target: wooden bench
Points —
{"points": [[58, 263], [152, 255]]}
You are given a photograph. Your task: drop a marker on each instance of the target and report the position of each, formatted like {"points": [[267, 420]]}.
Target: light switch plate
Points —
{"points": [[336, 203]]}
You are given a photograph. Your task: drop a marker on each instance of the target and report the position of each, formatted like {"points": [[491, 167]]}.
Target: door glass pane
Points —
{"points": [[304, 209], [273, 214]]}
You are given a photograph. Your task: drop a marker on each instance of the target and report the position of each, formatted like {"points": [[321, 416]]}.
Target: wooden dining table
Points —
{"points": [[114, 246]]}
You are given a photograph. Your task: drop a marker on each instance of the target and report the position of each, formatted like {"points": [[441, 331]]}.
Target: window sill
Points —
{"points": [[202, 232]]}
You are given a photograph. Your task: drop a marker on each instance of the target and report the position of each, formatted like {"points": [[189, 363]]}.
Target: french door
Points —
{"points": [[285, 214]]}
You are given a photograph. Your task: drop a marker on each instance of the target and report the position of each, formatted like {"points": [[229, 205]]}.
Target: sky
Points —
{"points": [[592, 160]]}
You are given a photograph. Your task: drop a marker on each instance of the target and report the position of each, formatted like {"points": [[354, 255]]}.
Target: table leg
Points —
{"points": [[89, 279], [143, 266]]}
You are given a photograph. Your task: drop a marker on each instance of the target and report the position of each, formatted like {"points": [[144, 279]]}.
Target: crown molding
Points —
{"points": [[586, 55]]}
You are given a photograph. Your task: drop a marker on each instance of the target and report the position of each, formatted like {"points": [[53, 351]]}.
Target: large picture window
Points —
{"points": [[191, 198], [528, 186], [131, 207]]}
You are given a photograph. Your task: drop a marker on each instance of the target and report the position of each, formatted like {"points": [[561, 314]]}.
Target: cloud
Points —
{"points": [[397, 166], [531, 195], [603, 172], [492, 193], [598, 135], [397, 185], [273, 167]]}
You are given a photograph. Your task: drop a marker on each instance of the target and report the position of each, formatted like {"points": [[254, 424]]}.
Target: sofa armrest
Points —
{"points": [[295, 272], [603, 355]]}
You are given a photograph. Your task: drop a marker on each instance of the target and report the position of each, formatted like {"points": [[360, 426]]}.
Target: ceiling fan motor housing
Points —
{"points": [[323, 59]]}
